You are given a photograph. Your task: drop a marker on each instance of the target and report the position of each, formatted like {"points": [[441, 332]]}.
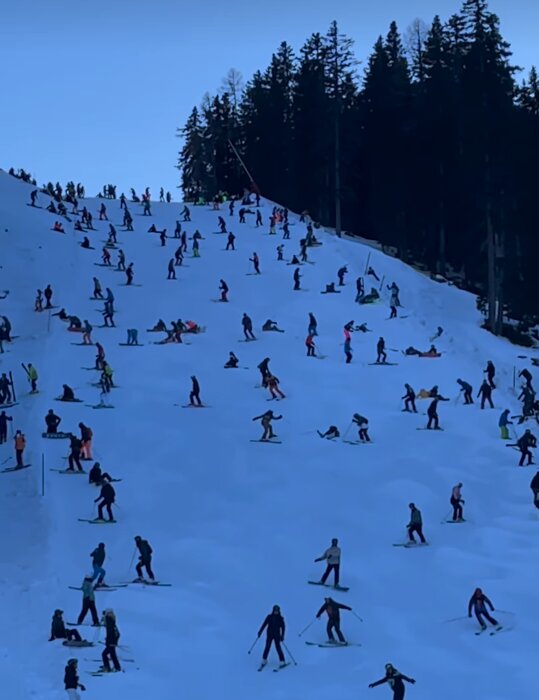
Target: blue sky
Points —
{"points": [[94, 91]]}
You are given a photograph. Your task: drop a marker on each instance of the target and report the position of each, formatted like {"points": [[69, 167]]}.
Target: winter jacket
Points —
{"points": [[467, 388], [20, 442], [485, 389], [107, 493], [504, 420], [51, 420], [88, 589], [431, 411], [479, 603], [86, 433], [332, 555], [415, 517], [112, 634], [275, 624], [98, 556], [58, 629], [394, 680], [534, 484], [144, 549], [32, 373], [71, 679], [332, 608]]}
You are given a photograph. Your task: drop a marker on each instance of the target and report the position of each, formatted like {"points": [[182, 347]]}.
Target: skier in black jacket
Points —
{"points": [[409, 399], [467, 391], [247, 324], [395, 680], [107, 495], [195, 392], [112, 637], [4, 418], [485, 392], [59, 631], [490, 371], [478, 602], [52, 421], [145, 558], [274, 623], [71, 679], [74, 457], [432, 413], [524, 443], [332, 608]]}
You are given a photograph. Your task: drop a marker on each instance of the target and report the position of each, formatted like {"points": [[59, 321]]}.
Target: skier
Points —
{"points": [[112, 637], [457, 502], [67, 394], [20, 444], [48, 296], [478, 603], [331, 433], [360, 289], [265, 420], [223, 288], [129, 273], [363, 425], [274, 623], [98, 293], [312, 328], [415, 525], [232, 362], [256, 263], [31, 373], [534, 485], [258, 220], [230, 241], [86, 435], [341, 272], [297, 278], [332, 556], [107, 376], [178, 256], [71, 680], [87, 333], [395, 680], [467, 390], [186, 213], [146, 211], [98, 559], [103, 212], [33, 197], [222, 224], [490, 371], [524, 443], [527, 376], [409, 399], [380, 349], [5, 389], [503, 423], [4, 418], [485, 392], [171, 271], [107, 497], [280, 249], [348, 349], [163, 237], [121, 261], [74, 457], [273, 385], [108, 315], [88, 602], [432, 413], [145, 558], [105, 256], [247, 324], [264, 371], [38, 303], [309, 343], [59, 631], [332, 608]]}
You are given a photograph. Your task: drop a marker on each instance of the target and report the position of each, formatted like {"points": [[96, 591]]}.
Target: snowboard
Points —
{"points": [[145, 582], [387, 364], [58, 398], [358, 442], [97, 406], [329, 645], [96, 521], [327, 585], [411, 545], [68, 471], [56, 436], [432, 429], [75, 643]]}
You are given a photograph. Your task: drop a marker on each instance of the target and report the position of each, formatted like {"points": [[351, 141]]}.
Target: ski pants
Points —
{"points": [[100, 510], [334, 624], [195, 395], [363, 435], [504, 432], [467, 397], [348, 357], [382, 356], [109, 654], [230, 246], [393, 313], [33, 382], [99, 574], [336, 569], [408, 403], [74, 458], [72, 694], [145, 564], [416, 528], [73, 635], [275, 391], [3, 434], [310, 351], [457, 509], [480, 614], [277, 642], [86, 450], [88, 605], [433, 418], [486, 398], [525, 452], [18, 457], [248, 333]]}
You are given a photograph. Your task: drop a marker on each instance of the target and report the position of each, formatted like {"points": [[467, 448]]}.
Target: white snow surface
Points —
{"points": [[235, 525]]}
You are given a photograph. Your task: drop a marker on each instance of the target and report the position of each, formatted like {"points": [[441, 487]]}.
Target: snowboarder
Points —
{"points": [[222, 224], [107, 376], [490, 371], [107, 497], [265, 420], [98, 293], [395, 680], [341, 272], [88, 602], [230, 241], [223, 288], [121, 261], [310, 345], [67, 394], [275, 625], [332, 608], [524, 443], [457, 502], [186, 213], [112, 637], [171, 271], [232, 362], [297, 278], [132, 336], [20, 444], [280, 249], [272, 384], [380, 349], [74, 456], [247, 324], [195, 392], [258, 220], [409, 399], [478, 603], [485, 392], [59, 631], [145, 558], [256, 263], [105, 256], [331, 433], [71, 680], [332, 556], [363, 425], [270, 325], [415, 525], [466, 389], [4, 418], [86, 435], [129, 273], [5, 389], [432, 413], [503, 423], [98, 559]]}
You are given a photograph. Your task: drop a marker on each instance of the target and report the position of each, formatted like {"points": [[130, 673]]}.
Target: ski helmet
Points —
{"points": [[334, 541], [72, 662]]}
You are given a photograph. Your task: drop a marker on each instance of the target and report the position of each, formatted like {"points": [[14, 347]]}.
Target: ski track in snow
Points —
{"points": [[234, 524]]}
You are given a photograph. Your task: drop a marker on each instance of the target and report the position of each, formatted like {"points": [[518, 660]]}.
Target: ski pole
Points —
{"points": [[253, 645], [290, 655], [454, 619], [355, 615], [505, 612], [347, 429], [309, 625], [132, 559]]}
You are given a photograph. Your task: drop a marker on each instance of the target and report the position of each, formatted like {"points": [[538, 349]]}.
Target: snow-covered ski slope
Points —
{"points": [[235, 525]]}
